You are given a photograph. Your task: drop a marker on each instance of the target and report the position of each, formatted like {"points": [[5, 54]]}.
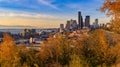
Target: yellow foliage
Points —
{"points": [[112, 8], [8, 52], [56, 50], [75, 62]]}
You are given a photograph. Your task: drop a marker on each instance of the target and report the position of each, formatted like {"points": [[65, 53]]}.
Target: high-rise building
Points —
{"points": [[80, 20], [96, 24], [87, 21], [82, 24], [61, 27], [73, 24], [68, 25], [96, 21]]}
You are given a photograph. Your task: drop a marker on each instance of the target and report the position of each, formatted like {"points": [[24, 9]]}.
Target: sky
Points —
{"points": [[48, 13]]}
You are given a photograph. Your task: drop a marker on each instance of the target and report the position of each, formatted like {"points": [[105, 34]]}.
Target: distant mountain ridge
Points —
{"points": [[17, 27]]}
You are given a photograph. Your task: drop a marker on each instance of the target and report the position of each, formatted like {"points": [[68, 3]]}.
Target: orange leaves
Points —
{"points": [[8, 52], [99, 48], [56, 50], [112, 8]]}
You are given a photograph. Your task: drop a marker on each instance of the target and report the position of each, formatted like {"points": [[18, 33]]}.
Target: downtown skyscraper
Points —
{"points": [[87, 21], [80, 21]]}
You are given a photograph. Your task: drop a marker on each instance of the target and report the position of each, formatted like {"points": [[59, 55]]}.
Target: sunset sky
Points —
{"points": [[47, 13]]}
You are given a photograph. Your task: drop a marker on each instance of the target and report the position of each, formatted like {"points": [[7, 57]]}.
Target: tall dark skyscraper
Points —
{"points": [[80, 20], [87, 21], [82, 25]]}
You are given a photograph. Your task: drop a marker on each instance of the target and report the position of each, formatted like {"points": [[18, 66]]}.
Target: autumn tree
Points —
{"points": [[98, 49], [8, 52], [75, 61], [56, 51], [29, 58], [17, 56], [112, 8]]}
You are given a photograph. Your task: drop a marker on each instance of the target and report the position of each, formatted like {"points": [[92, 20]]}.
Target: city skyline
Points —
{"points": [[45, 13]]}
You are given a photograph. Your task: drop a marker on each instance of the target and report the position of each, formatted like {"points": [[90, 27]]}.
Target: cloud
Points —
{"points": [[31, 16], [35, 3], [48, 3]]}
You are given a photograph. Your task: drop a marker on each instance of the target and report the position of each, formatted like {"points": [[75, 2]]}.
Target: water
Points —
{"points": [[15, 31]]}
